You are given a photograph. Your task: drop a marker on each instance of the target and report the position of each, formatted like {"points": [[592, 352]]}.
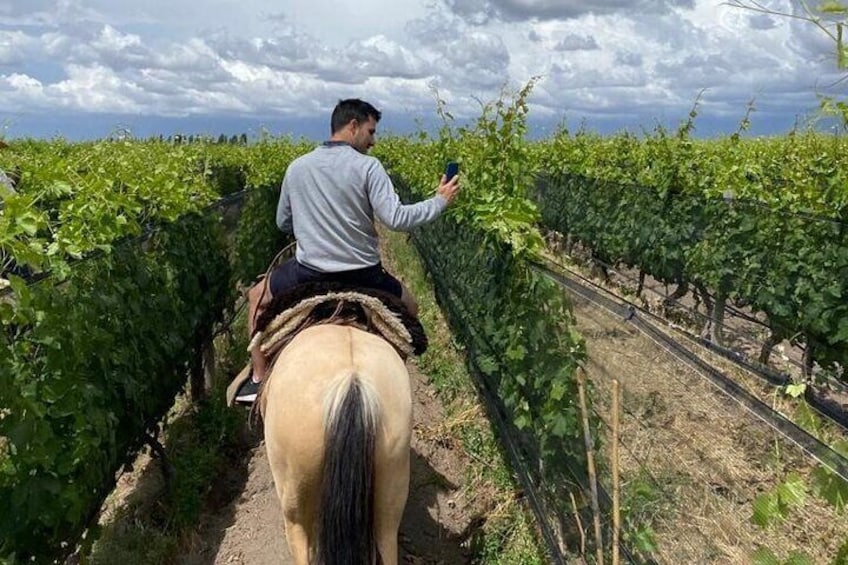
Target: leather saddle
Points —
{"points": [[306, 305]]}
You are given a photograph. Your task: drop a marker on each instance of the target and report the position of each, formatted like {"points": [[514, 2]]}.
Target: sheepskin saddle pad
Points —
{"points": [[309, 304]]}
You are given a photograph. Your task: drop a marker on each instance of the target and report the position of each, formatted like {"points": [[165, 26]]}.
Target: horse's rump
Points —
{"points": [[337, 411]]}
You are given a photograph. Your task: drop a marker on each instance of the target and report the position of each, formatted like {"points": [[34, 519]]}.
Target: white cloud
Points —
{"points": [[484, 11], [21, 83], [95, 88], [632, 59], [381, 57], [576, 42], [14, 46]]}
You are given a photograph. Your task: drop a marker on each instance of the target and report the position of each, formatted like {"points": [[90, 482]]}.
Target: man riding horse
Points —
{"points": [[337, 403], [329, 200]]}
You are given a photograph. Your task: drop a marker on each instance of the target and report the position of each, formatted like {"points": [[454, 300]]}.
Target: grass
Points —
{"points": [[693, 462], [508, 535]]}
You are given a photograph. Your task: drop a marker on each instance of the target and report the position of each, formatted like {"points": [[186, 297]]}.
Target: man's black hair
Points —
{"points": [[352, 109]]}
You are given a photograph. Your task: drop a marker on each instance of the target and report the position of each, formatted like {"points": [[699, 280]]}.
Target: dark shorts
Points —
{"points": [[291, 273]]}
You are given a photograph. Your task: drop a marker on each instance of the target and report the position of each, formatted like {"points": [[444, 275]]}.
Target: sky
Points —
{"points": [[84, 69]]}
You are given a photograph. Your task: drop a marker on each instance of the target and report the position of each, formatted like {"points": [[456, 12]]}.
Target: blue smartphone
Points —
{"points": [[451, 170]]}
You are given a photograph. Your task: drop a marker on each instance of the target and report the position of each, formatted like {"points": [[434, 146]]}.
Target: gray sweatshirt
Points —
{"points": [[329, 200]]}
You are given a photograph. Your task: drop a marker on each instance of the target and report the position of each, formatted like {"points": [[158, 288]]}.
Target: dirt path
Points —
{"points": [[245, 525]]}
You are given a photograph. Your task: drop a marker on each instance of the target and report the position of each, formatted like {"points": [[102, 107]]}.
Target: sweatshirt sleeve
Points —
{"points": [[388, 207], [284, 210]]}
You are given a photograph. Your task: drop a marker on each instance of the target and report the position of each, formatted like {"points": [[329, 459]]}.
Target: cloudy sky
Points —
{"points": [[85, 68]]}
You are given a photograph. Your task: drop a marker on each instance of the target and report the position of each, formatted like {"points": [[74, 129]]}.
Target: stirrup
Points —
{"points": [[235, 384]]}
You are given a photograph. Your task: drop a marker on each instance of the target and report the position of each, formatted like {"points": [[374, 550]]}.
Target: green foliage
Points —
{"points": [[92, 356], [773, 507], [73, 199], [841, 555], [730, 216], [508, 535], [257, 237], [642, 504], [201, 439], [515, 323], [139, 545], [98, 360], [496, 180], [199, 447], [765, 556], [830, 486]]}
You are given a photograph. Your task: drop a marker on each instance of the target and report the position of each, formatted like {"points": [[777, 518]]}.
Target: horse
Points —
{"points": [[337, 412]]}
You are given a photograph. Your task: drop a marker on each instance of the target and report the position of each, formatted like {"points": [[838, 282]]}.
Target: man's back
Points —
{"points": [[329, 200]]}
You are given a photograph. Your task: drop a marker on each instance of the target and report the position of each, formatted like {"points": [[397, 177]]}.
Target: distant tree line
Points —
{"points": [[182, 139], [222, 139]]}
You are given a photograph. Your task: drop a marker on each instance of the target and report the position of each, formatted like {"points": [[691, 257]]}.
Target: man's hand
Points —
{"points": [[448, 189]]}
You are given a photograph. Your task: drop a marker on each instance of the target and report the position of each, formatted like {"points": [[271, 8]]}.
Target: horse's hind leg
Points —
{"points": [[296, 492], [297, 534], [392, 489], [298, 542]]}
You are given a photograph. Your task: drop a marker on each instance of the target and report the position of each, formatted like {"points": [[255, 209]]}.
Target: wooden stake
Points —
{"points": [[616, 510], [590, 457], [579, 527]]}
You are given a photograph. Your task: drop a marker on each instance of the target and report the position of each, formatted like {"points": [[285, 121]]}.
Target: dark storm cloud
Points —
{"points": [[696, 69]]}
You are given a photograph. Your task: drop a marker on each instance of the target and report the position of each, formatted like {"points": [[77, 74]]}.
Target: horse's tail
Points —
{"points": [[345, 527]]}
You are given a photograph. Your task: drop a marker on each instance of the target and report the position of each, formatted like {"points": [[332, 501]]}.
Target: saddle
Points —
{"points": [[306, 305]]}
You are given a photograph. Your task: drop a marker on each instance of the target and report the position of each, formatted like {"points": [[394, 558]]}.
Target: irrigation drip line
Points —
{"points": [[774, 377], [816, 449], [788, 429], [456, 313], [728, 307], [827, 409], [639, 460], [771, 325]]}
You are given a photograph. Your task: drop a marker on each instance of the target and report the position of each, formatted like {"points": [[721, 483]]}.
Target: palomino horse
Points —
{"points": [[337, 410]]}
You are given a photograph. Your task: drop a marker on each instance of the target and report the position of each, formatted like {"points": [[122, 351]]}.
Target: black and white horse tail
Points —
{"points": [[345, 528]]}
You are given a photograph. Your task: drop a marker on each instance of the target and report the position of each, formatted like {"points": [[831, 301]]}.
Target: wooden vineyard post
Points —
{"points": [[579, 526], [590, 458], [616, 510]]}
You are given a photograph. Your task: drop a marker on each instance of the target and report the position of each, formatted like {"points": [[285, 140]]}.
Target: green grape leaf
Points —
{"points": [[766, 510]]}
